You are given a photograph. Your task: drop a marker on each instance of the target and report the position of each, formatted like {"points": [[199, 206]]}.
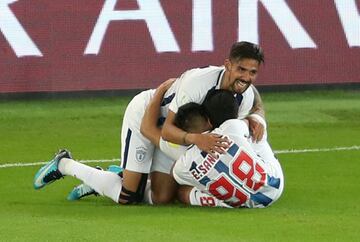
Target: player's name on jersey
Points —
{"points": [[200, 170]]}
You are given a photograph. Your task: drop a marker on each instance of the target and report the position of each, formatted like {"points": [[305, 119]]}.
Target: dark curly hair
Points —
{"points": [[220, 105]]}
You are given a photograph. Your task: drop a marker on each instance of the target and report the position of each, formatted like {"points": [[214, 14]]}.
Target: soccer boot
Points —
{"points": [[116, 169], [81, 191], [84, 190], [50, 172]]}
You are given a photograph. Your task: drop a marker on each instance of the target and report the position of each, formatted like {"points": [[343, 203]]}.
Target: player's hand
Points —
{"points": [[163, 87], [256, 129], [213, 144]]}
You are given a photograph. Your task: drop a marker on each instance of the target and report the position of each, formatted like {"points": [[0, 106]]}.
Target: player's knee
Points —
{"points": [[183, 194], [163, 194], [162, 197], [163, 188]]}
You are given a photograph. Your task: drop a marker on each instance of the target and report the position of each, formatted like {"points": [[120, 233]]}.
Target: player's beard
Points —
{"points": [[239, 86]]}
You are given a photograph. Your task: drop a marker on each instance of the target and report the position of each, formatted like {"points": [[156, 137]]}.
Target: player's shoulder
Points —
{"points": [[200, 80], [232, 126], [203, 74], [249, 92]]}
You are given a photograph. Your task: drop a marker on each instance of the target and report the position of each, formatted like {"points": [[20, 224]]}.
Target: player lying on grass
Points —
{"points": [[237, 177]]}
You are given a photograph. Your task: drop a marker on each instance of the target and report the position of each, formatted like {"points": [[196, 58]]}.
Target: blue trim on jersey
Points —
{"points": [[218, 79], [161, 121], [126, 151], [193, 166], [239, 98], [233, 149], [168, 99], [217, 82], [273, 182], [221, 167], [204, 180], [203, 154], [261, 198]]}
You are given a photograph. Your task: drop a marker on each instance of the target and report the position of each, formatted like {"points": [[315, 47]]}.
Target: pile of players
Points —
{"points": [[200, 139]]}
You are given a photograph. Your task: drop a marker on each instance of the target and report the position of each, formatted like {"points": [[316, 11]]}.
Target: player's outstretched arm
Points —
{"points": [[149, 126]]}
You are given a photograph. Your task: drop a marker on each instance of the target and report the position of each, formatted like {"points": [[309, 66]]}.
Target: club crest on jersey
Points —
{"points": [[140, 153]]}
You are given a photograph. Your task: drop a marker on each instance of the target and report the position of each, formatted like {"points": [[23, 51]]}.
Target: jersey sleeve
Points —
{"points": [[193, 86], [182, 97], [183, 93]]}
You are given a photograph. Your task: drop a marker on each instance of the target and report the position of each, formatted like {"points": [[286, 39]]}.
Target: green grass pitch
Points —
{"points": [[321, 200]]}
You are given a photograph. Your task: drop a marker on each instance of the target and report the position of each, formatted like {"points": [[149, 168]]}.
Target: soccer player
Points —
{"points": [[237, 75], [138, 153], [237, 177], [108, 183]]}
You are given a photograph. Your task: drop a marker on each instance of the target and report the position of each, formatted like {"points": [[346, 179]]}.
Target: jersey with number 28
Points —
{"points": [[238, 177]]}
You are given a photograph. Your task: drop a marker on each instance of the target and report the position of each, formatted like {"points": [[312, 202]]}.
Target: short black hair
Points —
{"points": [[188, 115], [244, 49], [220, 105]]}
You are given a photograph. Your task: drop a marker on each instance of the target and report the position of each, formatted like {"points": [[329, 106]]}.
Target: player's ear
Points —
{"points": [[227, 64]]}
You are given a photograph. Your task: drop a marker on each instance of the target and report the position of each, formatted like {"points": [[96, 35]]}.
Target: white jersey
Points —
{"points": [[239, 177], [194, 84]]}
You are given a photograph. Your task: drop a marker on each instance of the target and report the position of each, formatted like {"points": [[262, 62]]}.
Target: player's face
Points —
{"points": [[240, 74]]}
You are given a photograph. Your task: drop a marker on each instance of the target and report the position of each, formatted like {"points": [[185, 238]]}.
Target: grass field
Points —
{"points": [[320, 202]]}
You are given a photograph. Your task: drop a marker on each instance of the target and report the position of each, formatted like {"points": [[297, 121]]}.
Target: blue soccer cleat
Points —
{"points": [[115, 169], [84, 190], [50, 172], [81, 191]]}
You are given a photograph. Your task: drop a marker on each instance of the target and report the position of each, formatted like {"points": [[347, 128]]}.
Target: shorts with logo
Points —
{"points": [[137, 152]]}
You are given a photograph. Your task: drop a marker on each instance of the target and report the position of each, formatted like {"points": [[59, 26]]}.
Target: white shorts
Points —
{"points": [[161, 162], [137, 152]]}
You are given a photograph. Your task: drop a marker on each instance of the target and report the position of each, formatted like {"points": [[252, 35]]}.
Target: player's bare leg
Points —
{"points": [[163, 188], [133, 187]]}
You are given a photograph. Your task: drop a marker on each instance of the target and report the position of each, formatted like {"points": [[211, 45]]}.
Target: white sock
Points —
{"points": [[199, 198], [103, 182], [147, 193]]}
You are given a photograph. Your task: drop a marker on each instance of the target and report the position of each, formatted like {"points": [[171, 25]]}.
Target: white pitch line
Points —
{"points": [[292, 151], [354, 147], [19, 164]]}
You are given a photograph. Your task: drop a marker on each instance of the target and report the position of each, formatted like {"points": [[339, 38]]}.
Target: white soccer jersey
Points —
{"points": [[239, 177], [194, 84]]}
